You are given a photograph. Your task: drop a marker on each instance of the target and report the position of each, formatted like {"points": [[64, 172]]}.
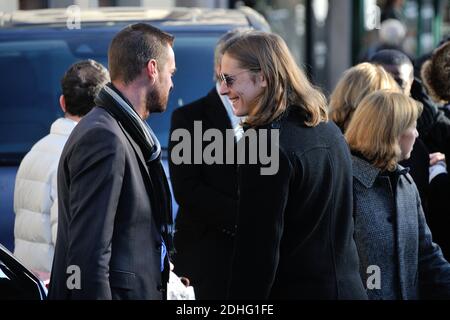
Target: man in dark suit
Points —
{"points": [[207, 196], [114, 202]]}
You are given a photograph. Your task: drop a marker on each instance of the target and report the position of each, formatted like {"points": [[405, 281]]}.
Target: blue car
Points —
{"points": [[36, 47]]}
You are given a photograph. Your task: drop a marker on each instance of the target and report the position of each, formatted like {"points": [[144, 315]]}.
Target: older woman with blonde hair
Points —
{"points": [[398, 258], [294, 236], [356, 83]]}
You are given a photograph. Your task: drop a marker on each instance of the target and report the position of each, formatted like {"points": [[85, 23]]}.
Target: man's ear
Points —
{"points": [[152, 69], [62, 103], [262, 79]]}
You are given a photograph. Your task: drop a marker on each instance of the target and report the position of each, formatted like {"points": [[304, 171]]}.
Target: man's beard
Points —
{"points": [[156, 100]]}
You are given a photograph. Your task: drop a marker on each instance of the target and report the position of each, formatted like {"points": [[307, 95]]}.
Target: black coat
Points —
{"points": [[438, 215], [106, 225], [295, 228], [419, 165], [207, 198]]}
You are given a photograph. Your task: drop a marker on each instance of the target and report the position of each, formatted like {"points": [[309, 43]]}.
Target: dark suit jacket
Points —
{"points": [[206, 195], [106, 225], [438, 215], [294, 235]]}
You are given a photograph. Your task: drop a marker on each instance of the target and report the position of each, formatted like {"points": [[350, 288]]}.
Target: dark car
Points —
{"points": [[16, 281], [36, 47]]}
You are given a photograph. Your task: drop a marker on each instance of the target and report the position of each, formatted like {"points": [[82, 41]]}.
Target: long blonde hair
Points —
{"points": [[377, 124], [356, 83], [286, 84]]}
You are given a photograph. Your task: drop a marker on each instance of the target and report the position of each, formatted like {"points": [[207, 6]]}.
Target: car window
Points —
{"points": [[32, 65], [27, 90]]}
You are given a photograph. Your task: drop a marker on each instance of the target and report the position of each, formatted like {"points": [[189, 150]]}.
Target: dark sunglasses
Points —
{"points": [[229, 79]]}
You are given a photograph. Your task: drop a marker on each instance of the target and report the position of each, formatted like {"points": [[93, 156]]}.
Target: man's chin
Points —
{"points": [[157, 109]]}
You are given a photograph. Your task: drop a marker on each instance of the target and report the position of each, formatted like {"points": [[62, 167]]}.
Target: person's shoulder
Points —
{"points": [[296, 127], [98, 120], [98, 127], [97, 115]]}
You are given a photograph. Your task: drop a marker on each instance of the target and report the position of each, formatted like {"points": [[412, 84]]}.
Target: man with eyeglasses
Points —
{"points": [[206, 194]]}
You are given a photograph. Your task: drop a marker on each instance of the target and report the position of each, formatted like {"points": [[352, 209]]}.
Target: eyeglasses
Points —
{"points": [[229, 79]]}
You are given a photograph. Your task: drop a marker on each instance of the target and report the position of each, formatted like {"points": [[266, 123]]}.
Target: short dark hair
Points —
{"points": [[133, 47], [435, 74], [393, 58], [80, 85], [390, 57]]}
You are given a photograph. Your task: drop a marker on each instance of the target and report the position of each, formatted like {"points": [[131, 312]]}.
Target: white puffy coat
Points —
{"points": [[35, 199]]}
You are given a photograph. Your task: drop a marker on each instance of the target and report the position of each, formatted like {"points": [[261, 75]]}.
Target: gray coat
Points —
{"points": [[392, 234]]}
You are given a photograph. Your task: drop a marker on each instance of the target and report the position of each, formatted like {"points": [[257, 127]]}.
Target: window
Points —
{"points": [[32, 4], [30, 98]]}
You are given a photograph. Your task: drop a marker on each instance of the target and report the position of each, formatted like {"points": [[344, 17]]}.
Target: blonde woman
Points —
{"points": [[397, 255], [294, 237], [356, 83]]}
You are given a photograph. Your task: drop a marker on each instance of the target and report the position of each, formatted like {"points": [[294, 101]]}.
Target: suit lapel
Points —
{"points": [[137, 150], [144, 169]]}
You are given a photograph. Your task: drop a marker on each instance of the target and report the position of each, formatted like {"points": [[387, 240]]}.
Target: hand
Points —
{"points": [[436, 157]]}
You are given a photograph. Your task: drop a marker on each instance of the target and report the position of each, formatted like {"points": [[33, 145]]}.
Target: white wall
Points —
{"points": [[158, 3], [9, 5], [86, 3]]}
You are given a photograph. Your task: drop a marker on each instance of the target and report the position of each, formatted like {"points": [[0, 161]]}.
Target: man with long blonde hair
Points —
{"points": [[294, 235]]}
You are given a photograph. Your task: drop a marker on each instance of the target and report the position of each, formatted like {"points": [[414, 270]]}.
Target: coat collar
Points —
{"points": [[366, 173], [63, 126]]}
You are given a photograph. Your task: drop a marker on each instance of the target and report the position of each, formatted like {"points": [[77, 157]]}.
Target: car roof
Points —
{"points": [[167, 18]]}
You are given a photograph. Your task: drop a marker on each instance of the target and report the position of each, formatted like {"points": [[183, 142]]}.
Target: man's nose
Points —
{"points": [[223, 89]]}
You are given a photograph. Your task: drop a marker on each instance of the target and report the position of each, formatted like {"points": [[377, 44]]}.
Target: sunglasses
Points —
{"points": [[229, 79]]}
